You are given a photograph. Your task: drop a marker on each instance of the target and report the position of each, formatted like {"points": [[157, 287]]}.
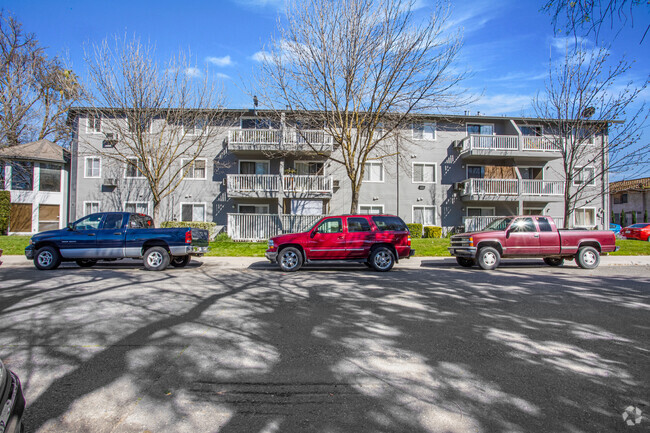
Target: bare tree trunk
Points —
{"points": [[354, 203]]}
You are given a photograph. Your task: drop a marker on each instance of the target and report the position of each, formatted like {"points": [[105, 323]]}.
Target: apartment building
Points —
{"points": [[632, 197], [259, 177]]}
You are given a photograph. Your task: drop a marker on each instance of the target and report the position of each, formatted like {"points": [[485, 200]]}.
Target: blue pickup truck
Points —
{"points": [[116, 235]]}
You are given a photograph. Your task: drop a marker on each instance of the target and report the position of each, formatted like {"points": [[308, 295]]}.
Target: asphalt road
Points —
{"points": [[428, 347]]}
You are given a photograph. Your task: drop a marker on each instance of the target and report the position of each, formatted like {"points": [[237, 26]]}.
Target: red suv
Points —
{"points": [[376, 240]]}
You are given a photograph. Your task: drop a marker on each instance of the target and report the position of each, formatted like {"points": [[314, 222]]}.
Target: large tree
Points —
{"points": [[592, 116], [361, 69], [158, 117]]}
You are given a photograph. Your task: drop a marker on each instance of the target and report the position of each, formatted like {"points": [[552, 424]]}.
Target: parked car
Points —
{"points": [[640, 231], [117, 235], [12, 402], [379, 241], [616, 228], [531, 236]]}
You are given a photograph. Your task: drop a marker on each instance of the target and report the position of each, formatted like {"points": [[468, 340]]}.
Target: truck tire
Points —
{"points": [[465, 262], [180, 261], [588, 258], [86, 263], [156, 259], [382, 259], [290, 259], [488, 258], [554, 261], [47, 258]]}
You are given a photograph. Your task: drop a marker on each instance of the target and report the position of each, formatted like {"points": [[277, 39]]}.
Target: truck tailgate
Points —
{"points": [[200, 237]]}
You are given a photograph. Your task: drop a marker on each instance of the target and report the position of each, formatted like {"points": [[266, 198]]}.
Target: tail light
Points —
{"points": [[188, 237], [408, 240]]}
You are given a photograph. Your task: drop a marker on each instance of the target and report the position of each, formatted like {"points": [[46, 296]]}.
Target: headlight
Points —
{"points": [[31, 241], [271, 243]]}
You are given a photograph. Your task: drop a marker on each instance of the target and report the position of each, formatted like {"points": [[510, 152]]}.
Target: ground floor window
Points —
{"points": [[137, 207], [91, 207], [480, 211], [585, 217], [306, 207], [371, 209], [254, 208], [193, 212], [425, 215]]}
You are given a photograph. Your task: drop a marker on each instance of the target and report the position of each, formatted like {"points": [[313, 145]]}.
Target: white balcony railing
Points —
{"points": [[260, 227], [513, 187], [270, 183], [253, 183], [287, 139], [542, 187], [508, 143], [307, 184], [254, 136], [478, 223], [538, 144]]}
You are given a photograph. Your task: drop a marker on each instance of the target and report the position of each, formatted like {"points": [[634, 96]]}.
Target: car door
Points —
{"points": [[549, 239], [81, 240], [327, 241], [522, 237], [111, 237], [358, 237]]}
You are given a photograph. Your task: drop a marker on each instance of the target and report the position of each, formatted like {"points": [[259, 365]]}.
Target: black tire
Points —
{"points": [[554, 261], [382, 259], [290, 259], [180, 261], [465, 262], [156, 259], [86, 263], [588, 258], [488, 258], [368, 265], [47, 258]]}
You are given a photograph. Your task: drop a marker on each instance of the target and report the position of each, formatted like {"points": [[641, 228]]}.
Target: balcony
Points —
{"points": [[478, 223], [280, 140], [512, 190], [518, 146], [260, 227], [271, 185]]}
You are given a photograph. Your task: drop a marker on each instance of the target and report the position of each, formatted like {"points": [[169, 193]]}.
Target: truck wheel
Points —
{"points": [[86, 263], [290, 259], [465, 262], [588, 258], [180, 261], [554, 261], [488, 258], [382, 259], [47, 258], [156, 259]]}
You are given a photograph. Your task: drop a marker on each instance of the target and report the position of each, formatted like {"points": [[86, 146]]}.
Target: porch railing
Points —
{"points": [[260, 227], [542, 187], [508, 143], [253, 183], [307, 183], [254, 136], [513, 187], [289, 139]]}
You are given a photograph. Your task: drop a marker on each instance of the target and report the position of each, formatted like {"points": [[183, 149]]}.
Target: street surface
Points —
{"points": [[427, 347]]}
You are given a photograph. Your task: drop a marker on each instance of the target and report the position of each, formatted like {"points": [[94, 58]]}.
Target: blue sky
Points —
{"points": [[507, 43]]}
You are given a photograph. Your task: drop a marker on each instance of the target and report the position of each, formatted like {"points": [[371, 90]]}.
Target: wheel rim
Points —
{"points": [[45, 258], [383, 259], [589, 258], [489, 258], [289, 260], [155, 259]]}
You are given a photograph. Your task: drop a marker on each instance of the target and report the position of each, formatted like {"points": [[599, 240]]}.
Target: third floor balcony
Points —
{"points": [[280, 140], [540, 148], [512, 189], [271, 185]]}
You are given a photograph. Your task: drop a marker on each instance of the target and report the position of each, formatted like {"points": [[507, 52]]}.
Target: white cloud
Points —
{"points": [[193, 72], [519, 76], [261, 56], [220, 61], [286, 52], [223, 76]]}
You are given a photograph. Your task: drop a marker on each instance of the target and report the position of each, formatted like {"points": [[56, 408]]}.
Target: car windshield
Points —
{"points": [[639, 226], [499, 225]]}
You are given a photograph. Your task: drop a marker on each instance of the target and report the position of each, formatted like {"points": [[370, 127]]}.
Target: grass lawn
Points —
{"points": [[15, 245]]}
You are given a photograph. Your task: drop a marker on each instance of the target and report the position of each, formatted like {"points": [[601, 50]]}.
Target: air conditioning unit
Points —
{"points": [[335, 183], [458, 144], [458, 186], [224, 182], [111, 181], [111, 135]]}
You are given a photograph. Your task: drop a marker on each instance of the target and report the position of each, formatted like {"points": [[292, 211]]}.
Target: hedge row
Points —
{"points": [[5, 211], [417, 231], [209, 226]]}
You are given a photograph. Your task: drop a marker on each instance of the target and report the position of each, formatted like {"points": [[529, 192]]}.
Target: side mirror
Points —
{"points": [[71, 226], [508, 233], [313, 233]]}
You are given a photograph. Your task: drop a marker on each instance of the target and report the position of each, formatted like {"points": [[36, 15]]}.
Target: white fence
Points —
{"points": [[260, 227], [307, 183], [253, 182], [509, 143], [513, 187], [254, 136], [281, 139], [542, 187]]}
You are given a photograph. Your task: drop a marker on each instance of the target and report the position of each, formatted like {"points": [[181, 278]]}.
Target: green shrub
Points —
{"points": [[5, 211], [613, 220], [432, 232], [645, 216], [415, 229], [634, 217], [623, 220], [223, 237], [210, 227]]}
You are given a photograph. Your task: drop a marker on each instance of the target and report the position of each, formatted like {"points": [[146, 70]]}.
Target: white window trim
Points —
{"points": [[193, 203], [205, 176], [383, 174], [426, 206], [371, 205], [575, 215], [435, 171], [99, 206], [252, 204], [435, 131], [580, 170], [266, 161], [494, 132], [136, 203], [86, 167], [467, 208], [126, 169], [90, 130]]}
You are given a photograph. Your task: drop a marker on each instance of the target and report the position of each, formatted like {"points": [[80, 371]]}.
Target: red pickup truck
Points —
{"points": [[379, 241], [531, 236]]}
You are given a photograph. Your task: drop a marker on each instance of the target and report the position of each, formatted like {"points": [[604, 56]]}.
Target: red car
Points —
{"points": [[639, 231], [379, 241]]}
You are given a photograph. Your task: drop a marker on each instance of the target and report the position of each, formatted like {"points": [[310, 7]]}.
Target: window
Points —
{"points": [[544, 225], [195, 169], [584, 175], [254, 167], [392, 223], [91, 222], [480, 211], [528, 130], [22, 175], [475, 172], [193, 212], [374, 172], [309, 168], [135, 168], [94, 123], [425, 215], [113, 221], [424, 172], [585, 136], [523, 225], [585, 217], [332, 225], [136, 207], [259, 124], [424, 131], [480, 129], [93, 165], [194, 126], [254, 208], [371, 209], [140, 222], [358, 225], [531, 172], [91, 207], [139, 124], [50, 178]]}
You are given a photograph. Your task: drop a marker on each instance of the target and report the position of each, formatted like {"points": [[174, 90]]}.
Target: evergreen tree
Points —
{"points": [[633, 217], [623, 222], [645, 216]]}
